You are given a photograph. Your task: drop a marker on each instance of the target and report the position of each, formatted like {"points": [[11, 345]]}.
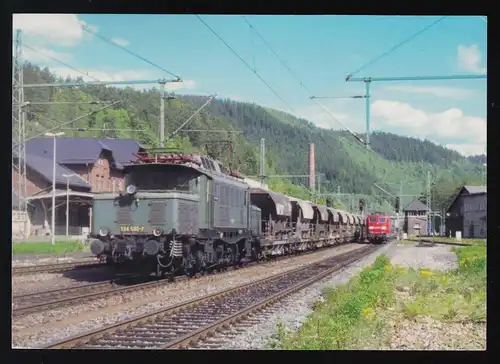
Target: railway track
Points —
{"points": [[56, 267], [63, 297], [186, 324], [24, 304]]}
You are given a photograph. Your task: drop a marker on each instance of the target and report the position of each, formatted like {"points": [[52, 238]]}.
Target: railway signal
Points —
{"points": [[361, 205], [396, 204]]}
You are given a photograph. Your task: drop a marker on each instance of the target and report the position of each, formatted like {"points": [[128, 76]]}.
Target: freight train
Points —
{"points": [[186, 213]]}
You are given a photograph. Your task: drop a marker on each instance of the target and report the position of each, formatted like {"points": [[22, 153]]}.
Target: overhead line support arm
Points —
{"points": [[369, 80], [76, 84], [414, 78]]}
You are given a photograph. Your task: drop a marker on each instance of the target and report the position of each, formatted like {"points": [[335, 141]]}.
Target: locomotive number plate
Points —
{"points": [[131, 229]]}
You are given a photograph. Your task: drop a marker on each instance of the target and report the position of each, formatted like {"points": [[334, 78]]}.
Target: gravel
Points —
{"points": [[19, 261], [429, 334], [46, 281], [42, 328], [293, 311], [438, 257]]}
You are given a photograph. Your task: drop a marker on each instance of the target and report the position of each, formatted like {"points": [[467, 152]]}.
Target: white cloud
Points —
{"points": [[120, 41], [184, 85], [122, 75], [36, 57], [51, 29], [449, 92], [467, 149], [450, 126], [322, 119], [469, 58]]}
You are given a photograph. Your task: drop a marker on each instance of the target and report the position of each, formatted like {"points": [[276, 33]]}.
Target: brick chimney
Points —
{"points": [[312, 168]]}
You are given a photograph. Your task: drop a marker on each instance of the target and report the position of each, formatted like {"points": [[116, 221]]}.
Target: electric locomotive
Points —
{"points": [[185, 212], [378, 227]]}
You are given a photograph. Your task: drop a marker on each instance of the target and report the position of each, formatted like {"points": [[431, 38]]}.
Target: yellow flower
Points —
{"points": [[425, 273], [387, 267], [368, 313]]}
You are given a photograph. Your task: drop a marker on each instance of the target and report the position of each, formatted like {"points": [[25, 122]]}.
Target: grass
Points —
{"points": [[60, 247], [357, 315], [479, 242]]}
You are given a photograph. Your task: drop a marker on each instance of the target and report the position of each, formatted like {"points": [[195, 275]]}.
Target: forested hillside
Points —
{"points": [[345, 165]]}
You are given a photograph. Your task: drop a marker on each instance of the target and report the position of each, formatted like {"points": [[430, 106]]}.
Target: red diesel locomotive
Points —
{"points": [[378, 227]]}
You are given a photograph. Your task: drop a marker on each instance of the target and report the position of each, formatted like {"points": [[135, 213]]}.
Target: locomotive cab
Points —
{"points": [[178, 211], [378, 228]]}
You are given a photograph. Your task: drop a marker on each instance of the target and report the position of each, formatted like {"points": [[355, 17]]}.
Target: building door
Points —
{"points": [[471, 230]]}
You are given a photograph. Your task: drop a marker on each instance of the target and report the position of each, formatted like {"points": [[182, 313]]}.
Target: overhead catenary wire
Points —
{"points": [[245, 63], [313, 98], [110, 41], [275, 54], [191, 117], [64, 102], [406, 40], [68, 122], [61, 62]]}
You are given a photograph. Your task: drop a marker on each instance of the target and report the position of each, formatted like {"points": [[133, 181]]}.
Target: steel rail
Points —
{"points": [[56, 267], [190, 338], [42, 300]]}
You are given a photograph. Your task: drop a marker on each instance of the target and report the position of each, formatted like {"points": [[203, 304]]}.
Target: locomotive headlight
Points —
{"points": [[103, 231], [131, 189], [383, 228], [157, 232]]}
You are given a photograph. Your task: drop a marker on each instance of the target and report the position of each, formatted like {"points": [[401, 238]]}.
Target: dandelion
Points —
{"points": [[368, 313], [425, 273], [387, 267]]}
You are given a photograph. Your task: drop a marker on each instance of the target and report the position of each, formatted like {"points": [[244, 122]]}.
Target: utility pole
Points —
{"points": [[428, 201], [398, 229], [338, 194], [367, 102], [312, 169], [262, 160], [162, 114], [19, 128], [369, 80], [319, 184]]}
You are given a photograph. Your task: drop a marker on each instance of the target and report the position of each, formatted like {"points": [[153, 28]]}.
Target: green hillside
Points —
{"points": [[344, 163]]}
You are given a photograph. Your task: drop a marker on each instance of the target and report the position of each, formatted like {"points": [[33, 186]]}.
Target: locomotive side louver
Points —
{"points": [[124, 215], [157, 211]]}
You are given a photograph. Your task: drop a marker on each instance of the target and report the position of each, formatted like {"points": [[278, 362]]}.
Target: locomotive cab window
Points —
{"points": [[381, 219], [373, 219], [159, 177]]}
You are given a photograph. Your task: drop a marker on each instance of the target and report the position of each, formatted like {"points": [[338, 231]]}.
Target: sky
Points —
{"points": [[319, 50]]}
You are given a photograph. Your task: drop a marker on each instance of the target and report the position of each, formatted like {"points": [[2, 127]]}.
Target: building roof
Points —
{"points": [[473, 190], [84, 150], [69, 150], [44, 167], [467, 191], [415, 205], [59, 193], [123, 150]]}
